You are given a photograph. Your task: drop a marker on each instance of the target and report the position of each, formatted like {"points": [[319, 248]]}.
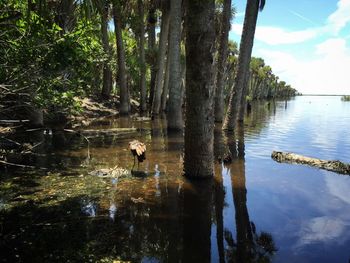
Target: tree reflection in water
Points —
{"points": [[197, 221], [249, 246], [199, 197]]}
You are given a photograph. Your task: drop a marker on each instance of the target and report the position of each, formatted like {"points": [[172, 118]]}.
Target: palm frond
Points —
{"points": [[261, 5]]}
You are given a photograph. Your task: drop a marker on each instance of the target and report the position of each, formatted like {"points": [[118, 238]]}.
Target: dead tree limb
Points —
{"points": [[333, 165], [21, 165]]}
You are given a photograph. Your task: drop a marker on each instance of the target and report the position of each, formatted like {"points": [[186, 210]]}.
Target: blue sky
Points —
{"points": [[306, 42]]}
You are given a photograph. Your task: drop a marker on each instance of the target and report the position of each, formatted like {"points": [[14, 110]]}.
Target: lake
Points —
{"points": [[254, 209]]}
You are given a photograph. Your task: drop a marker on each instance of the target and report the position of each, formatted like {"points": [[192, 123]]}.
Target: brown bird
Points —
{"points": [[138, 149]]}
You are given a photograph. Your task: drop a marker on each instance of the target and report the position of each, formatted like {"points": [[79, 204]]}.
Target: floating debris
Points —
{"points": [[115, 172], [137, 200]]}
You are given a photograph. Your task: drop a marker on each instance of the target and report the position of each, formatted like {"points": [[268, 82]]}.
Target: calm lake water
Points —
{"points": [[254, 210]]}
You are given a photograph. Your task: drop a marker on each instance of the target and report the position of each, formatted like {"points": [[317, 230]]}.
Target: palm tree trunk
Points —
{"points": [[243, 103], [124, 93], [199, 125], [175, 120], [163, 40], [143, 91], [152, 19], [221, 65], [165, 86], [107, 73], [245, 51]]}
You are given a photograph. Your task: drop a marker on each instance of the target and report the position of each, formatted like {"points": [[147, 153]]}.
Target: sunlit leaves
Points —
{"points": [[38, 57]]}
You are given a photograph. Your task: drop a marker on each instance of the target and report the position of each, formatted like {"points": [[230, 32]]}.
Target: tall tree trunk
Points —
{"points": [[143, 91], [107, 73], [175, 120], [152, 20], [163, 40], [245, 52], [222, 65], [243, 103], [199, 125], [124, 93], [165, 86]]}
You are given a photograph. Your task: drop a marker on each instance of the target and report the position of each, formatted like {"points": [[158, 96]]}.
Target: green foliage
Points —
{"points": [[50, 57], [40, 59], [345, 98]]}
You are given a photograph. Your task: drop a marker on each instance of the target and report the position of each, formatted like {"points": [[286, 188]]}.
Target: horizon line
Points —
{"points": [[322, 95]]}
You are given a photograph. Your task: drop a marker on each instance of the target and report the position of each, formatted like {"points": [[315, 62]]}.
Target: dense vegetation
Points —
{"points": [[54, 51]]}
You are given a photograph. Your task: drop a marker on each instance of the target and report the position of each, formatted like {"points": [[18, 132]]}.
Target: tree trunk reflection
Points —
{"points": [[197, 221]]}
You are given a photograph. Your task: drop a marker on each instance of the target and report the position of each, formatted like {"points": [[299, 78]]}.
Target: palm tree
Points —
{"points": [[199, 124], [175, 121], [221, 66], [143, 91], [124, 93], [245, 51], [163, 40], [151, 31], [165, 92], [103, 7]]}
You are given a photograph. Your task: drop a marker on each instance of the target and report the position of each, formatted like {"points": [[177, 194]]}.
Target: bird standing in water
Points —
{"points": [[138, 149]]}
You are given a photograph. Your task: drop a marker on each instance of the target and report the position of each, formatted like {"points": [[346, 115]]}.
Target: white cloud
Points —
{"points": [[325, 71], [332, 47], [281, 62], [339, 188], [340, 18], [326, 74], [322, 229], [272, 35], [276, 36]]}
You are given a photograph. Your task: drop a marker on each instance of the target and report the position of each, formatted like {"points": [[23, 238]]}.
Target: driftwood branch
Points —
{"points": [[21, 165], [7, 122], [334, 166]]}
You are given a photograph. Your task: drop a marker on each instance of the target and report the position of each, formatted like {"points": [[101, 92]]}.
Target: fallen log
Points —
{"points": [[106, 132], [20, 165], [333, 165], [9, 122]]}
